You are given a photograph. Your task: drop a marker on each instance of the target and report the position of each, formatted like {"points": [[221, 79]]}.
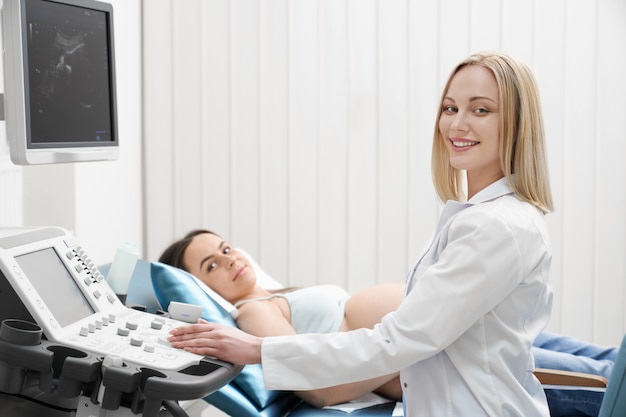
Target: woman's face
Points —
{"points": [[223, 268], [469, 125]]}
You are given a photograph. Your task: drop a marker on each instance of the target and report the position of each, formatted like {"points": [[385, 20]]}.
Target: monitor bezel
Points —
{"points": [[16, 97]]}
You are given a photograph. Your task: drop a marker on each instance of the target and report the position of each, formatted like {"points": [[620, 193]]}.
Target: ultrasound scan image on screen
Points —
{"points": [[69, 74], [47, 273]]}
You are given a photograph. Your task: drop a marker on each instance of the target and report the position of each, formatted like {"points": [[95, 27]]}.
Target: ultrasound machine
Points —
{"points": [[68, 346], [68, 343]]}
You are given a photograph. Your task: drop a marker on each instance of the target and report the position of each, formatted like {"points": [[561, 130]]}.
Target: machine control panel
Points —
{"points": [[50, 280]]}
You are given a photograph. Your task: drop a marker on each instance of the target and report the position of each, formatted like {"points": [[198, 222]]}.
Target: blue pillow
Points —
{"points": [[174, 284]]}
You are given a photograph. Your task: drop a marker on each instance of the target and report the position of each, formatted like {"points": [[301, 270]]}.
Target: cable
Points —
{"points": [[174, 408], [41, 403]]}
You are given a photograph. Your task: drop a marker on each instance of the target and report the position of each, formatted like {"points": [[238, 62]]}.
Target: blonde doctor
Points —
{"points": [[479, 293]]}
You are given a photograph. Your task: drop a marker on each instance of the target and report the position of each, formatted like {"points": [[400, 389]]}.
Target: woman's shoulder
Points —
{"points": [[260, 313]]}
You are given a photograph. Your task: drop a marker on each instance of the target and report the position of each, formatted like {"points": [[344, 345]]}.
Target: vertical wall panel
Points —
{"points": [[303, 139], [424, 92], [609, 302], [455, 34], [244, 128], [160, 214], [332, 142], [10, 190], [274, 246], [187, 114], [486, 25], [309, 125], [580, 168], [392, 140], [549, 66], [214, 194], [362, 143], [518, 31]]}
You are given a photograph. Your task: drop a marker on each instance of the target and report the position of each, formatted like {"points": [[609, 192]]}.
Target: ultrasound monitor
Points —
{"points": [[45, 270], [59, 78], [56, 286]]}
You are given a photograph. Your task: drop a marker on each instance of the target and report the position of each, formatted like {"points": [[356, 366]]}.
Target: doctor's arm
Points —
{"points": [[235, 346], [450, 296]]}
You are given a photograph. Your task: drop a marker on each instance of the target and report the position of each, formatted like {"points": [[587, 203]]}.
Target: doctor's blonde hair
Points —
{"points": [[522, 150]]}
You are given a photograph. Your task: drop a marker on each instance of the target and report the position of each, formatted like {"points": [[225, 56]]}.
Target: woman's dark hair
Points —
{"points": [[173, 255]]}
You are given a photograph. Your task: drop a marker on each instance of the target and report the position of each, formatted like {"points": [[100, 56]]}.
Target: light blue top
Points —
{"points": [[318, 309]]}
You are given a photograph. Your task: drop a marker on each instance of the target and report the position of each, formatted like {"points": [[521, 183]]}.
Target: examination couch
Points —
{"points": [[154, 285]]}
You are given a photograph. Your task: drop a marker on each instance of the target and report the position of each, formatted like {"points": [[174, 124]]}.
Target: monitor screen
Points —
{"points": [[60, 96], [55, 285]]}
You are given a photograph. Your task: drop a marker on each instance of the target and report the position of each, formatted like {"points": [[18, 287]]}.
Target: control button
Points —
{"points": [[149, 348], [156, 325], [111, 298], [105, 321], [162, 340], [169, 356], [123, 332], [111, 318], [136, 341], [79, 268], [132, 325], [87, 281], [92, 327], [99, 324], [97, 294], [69, 254], [84, 331]]}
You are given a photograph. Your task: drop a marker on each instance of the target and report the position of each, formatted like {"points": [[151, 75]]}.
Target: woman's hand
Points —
{"points": [[223, 342]]}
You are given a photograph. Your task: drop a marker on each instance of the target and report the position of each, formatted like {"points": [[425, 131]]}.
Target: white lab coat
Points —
{"points": [[477, 298]]}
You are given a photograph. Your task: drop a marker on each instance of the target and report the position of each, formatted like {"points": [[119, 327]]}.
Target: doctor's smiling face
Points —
{"points": [[216, 263], [469, 125]]}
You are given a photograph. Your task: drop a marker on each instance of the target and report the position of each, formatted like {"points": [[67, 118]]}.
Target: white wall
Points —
{"points": [[101, 202], [301, 130]]}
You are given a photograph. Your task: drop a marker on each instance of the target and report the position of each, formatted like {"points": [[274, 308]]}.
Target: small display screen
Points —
{"points": [[54, 283], [69, 69]]}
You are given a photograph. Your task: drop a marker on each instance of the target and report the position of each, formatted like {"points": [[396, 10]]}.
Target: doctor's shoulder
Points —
{"points": [[506, 214]]}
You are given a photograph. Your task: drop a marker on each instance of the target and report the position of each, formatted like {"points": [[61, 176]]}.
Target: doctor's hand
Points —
{"points": [[223, 342]]}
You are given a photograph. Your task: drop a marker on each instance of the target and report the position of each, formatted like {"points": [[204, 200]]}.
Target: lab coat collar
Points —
{"points": [[492, 191], [495, 190]]}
